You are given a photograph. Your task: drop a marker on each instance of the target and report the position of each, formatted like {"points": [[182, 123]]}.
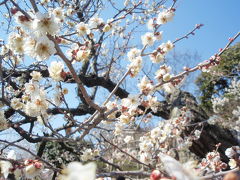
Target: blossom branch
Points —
{"points": [[199, 66], [75, 76], [124, 152], [124, 173], [198, 26], [20, 9], [219, 174]]}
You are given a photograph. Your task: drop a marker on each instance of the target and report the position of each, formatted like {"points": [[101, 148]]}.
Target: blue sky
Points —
{"points": [[221, 20]]}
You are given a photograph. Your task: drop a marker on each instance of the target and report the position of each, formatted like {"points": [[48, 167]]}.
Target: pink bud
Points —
{"points": [[38, 165], [155, 175]]}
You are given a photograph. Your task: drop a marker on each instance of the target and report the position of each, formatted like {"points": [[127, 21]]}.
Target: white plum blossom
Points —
{"points": [[70, 11], [197, 133], [3, 121], [31, 88], [128, 139], [166, 47], [151, 24], [111, 105], [145, 85], [58, 13], [126, 2], [165, 16], [29, 45], [167, 77], [125, 119], [148, 39], [36, 76], [164, 69], [57, 99], [157, 57], [153, 103], [37, 106], [87, 155], [83, 55], [16, 103], [145, 146], [155, 133], [107, 27], [55, 70], [135, 66], [36, 103], [41, 48], [231, 152], [77, 171], [5, 166], [44, 23], [146, 157], [32, 168], [82, 29], [94, 22], [133, 54], [232, 163], [132, 101], [175, 169], [169, 88], [44, 48], [118, 128], [16, 42]]}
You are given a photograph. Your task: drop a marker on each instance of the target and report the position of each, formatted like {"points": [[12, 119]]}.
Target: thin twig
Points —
{"points": [[115, 146], [35, 8], [75, 76], [180, 75]]}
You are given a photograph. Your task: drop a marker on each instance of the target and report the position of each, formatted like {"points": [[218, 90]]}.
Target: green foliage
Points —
{"points": [[62, 153], [213, 83]]}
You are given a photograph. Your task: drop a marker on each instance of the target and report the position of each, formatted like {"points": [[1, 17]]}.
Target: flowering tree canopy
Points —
{"points": [[87, 90]]}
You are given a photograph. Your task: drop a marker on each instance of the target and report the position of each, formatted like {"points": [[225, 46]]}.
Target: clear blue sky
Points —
{"points": [[221, 19]]}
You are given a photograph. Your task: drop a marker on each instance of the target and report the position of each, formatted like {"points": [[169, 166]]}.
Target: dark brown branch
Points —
{"points": [[35, 8]]}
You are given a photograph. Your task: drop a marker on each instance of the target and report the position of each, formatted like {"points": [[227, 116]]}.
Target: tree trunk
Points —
{"points": [[211, 134]]}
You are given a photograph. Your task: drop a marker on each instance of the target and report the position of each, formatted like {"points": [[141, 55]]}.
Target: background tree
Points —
{"points": [[215, 82]]}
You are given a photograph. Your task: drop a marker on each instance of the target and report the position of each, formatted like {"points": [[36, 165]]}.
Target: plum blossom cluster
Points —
{"points": [[130, 107], [162, 137], [213, 162], [34, 101], [32, 37], [75, 170], [29, 168], [89, 154], [135, 55], [229, 102], [233, 153], [208, 65], [80, 53], [56, 70]]}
